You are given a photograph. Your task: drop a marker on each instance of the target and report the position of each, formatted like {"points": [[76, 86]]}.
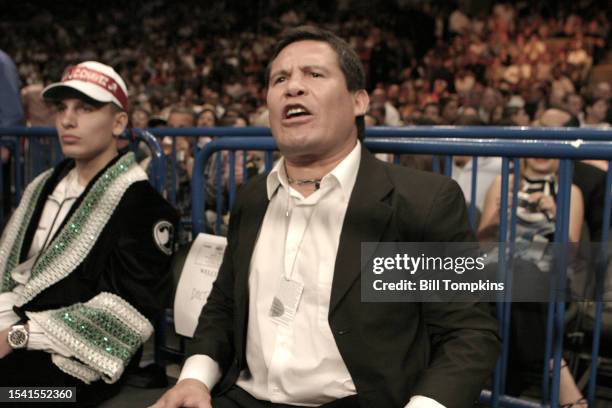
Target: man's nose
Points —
{"points": [[67, 118], [295, 86]]}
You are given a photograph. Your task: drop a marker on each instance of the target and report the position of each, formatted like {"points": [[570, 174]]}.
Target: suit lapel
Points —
{"points": [[251, 219], [366, 220]]}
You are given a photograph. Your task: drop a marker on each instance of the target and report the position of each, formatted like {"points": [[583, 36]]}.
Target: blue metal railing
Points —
{"points": [[477, 134], [460, 132]]}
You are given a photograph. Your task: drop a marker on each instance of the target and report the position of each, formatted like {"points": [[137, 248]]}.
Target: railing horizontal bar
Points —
{"points": [[460, 132], [509, 148]]}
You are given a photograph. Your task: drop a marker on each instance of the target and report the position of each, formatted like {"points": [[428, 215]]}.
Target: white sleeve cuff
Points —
{"points": [[419, 401], [38, 340], [7, 316], [202, 368]]}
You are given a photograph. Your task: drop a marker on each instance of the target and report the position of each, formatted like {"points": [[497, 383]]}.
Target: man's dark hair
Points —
{"points": [[573, 121], [349, 62]]}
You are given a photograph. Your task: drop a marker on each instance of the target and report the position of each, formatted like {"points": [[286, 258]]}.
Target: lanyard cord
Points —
{"points": [[297, 251]]}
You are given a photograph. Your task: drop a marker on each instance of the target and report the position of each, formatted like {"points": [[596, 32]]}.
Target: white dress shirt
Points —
{"points": [[297, 364], [56, 208]]}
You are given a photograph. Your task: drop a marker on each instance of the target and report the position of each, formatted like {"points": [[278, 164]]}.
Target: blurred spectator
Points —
{"points": [[561, 83], [574, 105], [206, 117], [432, 111], [534, 48], [487, 168], [449, 107], [11, 111], [491, 100], [602, 90], [536, 213], [458, 21], [589, 179], [377, 113], [371, 120], [419, 161], [181, 117], [578, 57], [596, 111], [217, 177], [140, 120], [392, 117], [140, 117], [36, 111], [11, 114], [180, 177], [515, 116]]}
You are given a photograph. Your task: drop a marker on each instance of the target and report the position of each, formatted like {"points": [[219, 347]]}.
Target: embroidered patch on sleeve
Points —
{"points": [[163, 234]]}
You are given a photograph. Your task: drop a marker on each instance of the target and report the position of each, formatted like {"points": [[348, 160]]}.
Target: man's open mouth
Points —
{"points": [[294, 111]]}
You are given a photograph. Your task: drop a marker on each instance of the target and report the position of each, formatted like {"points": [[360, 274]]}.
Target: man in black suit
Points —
{"points": [[284, 324]]}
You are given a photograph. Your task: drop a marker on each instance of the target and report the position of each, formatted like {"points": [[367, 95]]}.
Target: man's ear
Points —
{"points": [[361, 102], [120, 123]]}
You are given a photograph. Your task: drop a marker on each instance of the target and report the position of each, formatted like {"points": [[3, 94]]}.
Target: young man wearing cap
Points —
{"points": [[84, 259]]}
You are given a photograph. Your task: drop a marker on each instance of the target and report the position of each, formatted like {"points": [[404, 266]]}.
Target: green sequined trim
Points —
{"points": [[113, 326], [74, 318], [72, 228], [15, 252]]}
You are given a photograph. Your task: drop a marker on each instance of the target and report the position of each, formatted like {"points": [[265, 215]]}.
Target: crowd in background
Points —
{"points": [[428, 63], [417, 56]]}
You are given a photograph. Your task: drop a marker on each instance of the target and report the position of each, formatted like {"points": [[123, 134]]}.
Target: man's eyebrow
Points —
{"points": [[314, 67], [279, 72]]}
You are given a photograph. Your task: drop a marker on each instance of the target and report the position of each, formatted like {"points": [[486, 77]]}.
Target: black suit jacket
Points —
{"points": [[592, 183], [443, 351]]}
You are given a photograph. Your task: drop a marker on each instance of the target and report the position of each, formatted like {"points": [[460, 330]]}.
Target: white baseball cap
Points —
{"points": [[98, 81]]}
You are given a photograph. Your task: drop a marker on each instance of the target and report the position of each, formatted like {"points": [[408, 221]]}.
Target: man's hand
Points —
{"points": [[5, 349], [187, 393]]}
